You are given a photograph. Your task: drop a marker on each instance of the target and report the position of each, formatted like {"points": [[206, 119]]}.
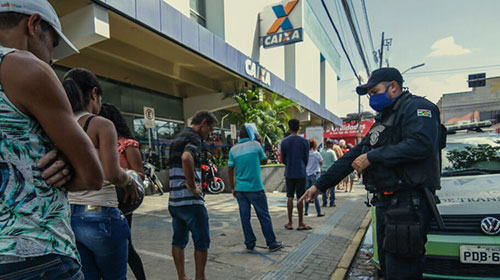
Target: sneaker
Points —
{"points": [[332, 205], [305, 214], [250, 249], [321, 215], [324, 204], [278, 246]]}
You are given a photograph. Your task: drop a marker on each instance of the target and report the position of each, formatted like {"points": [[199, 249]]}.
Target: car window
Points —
{"points": [[473, 151]]}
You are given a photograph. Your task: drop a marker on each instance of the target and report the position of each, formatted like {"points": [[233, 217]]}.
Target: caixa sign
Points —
{"points": [[283, 38], [254, 70], [281, 24]]}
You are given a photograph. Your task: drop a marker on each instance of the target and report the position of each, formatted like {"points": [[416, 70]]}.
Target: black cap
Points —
{"points": [[387, 74]]}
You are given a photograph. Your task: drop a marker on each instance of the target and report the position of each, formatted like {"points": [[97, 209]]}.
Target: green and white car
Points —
{"points": [[469, 248]]}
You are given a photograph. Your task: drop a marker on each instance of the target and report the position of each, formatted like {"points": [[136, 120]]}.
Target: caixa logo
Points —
{"points": [[254, 70], [288, 35]]}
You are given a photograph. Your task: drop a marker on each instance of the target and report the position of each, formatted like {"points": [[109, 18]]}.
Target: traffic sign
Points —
{"points": [[149, 117], [233, 132]]}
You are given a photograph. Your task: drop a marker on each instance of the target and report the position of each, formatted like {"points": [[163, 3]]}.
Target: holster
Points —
{"points": [[404, 232]]}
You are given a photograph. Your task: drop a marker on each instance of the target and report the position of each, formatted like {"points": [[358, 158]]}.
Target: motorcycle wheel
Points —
{"points": [[216, 187]]}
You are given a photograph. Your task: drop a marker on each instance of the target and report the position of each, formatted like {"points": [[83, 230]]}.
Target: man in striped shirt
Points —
{"points": [[186, 205]]}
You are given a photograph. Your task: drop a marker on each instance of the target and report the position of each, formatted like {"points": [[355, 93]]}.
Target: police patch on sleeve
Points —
{"points": [[424, 113]]}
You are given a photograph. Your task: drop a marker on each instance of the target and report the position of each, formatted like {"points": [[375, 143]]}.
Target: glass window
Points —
{"points": [[198, 12], [472, 151], [156, 151]]}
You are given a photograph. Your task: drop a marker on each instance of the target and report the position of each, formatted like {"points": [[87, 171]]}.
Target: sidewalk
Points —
{"points": [[310, 254]]}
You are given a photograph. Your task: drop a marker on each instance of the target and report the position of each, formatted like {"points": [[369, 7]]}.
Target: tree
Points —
{"points": [[270, 115]]}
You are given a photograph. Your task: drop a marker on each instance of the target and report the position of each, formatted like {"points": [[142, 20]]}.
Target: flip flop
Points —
{"points": [[287, 227], [306, 227]]}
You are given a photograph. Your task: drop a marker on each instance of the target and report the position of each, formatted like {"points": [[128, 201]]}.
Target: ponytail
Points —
{"points": [[74, 94], [78, 83]]}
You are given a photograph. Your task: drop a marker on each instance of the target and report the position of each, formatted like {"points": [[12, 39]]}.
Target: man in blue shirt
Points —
{"points": [[295, 154], [246, 157]]}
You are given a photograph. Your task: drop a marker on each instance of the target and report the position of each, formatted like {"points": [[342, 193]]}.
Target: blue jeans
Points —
{"points": [[102, 241], [190, 218], [259, 202], [45, 267], [332, 196], [310, 180]]}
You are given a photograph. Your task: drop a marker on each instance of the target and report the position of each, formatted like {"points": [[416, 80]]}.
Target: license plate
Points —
{"points": [[480, 254]]}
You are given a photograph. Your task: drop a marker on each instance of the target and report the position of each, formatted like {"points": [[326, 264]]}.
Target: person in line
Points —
{"points": [[245, 158], [350, 177], [344, 150], [329, 157], [295, 154], [400, 158], [186, 204], [101, 230], [339, 154], [36, 239], [130, 158], [313, 169]]}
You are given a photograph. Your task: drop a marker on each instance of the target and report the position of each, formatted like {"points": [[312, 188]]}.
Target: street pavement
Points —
{"points": [[312, 254]]}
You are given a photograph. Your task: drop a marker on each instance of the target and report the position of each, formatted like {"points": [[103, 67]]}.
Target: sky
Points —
{"points": [[454, 38]]}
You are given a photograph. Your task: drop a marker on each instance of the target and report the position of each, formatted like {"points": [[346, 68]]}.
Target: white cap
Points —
{"points": [[48, 14]]}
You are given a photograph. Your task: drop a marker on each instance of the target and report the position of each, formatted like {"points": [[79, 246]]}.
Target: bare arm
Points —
{"points": [[230, 177], [107, 139], [188, 168], [44, 99], [134, 158], [108, 152]]}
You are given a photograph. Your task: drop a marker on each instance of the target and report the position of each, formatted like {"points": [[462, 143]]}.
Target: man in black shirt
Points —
{"points": [[399, 158]]}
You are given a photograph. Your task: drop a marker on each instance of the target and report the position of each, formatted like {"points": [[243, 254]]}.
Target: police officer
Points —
{"points": [[399, 157]]}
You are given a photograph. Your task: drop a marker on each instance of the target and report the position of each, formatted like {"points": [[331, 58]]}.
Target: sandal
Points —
{"points": [[305, 227], [288, 227]]}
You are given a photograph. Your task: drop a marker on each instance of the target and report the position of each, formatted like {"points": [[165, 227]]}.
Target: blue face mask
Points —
{"points": [[380, 100]]}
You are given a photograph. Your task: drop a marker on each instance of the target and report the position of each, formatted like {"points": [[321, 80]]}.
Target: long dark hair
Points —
{"points": [[112, 113], [78, 83]]}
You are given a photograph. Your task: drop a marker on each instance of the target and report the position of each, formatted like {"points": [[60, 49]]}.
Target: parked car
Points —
{"points": [[469, 247]]}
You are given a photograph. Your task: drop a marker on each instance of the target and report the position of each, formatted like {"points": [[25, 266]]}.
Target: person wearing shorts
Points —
{"points": [[186, 204], [295, 154], [194, 219]]}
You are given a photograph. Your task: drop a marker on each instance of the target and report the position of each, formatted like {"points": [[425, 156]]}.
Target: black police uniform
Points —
{"points": [[403, 149]]}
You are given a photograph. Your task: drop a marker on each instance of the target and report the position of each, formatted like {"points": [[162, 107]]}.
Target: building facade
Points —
{"points": [[479, 104], [180, 56]]}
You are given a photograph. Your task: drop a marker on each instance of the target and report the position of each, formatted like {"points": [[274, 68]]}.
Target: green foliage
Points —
{"points": [[269, 114], [220, 160], [472, 155]]}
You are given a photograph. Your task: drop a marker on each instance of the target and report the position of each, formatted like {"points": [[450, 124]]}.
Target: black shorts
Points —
{"points": [[295, 186]]}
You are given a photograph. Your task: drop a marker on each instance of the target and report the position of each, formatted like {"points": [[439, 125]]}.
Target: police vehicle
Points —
{"points": [[469, 247]]}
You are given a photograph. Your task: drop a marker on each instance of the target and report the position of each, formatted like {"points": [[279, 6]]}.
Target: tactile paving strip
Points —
{"points": [[289, 263]]}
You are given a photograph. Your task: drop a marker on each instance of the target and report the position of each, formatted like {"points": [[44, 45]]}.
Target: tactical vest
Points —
{"points": [[388, 131]]}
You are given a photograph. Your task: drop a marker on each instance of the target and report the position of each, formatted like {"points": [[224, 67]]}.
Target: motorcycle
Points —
{"points": [[151, 179], [210, 181]]}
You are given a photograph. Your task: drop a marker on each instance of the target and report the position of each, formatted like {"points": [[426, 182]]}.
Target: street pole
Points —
{"points": [[413, 67], [381, 51]]}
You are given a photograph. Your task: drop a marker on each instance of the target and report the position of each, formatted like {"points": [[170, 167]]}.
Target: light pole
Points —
{"points": [[413, 67]]}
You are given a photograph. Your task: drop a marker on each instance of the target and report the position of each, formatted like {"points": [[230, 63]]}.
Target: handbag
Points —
{"points": [[128, 207]]}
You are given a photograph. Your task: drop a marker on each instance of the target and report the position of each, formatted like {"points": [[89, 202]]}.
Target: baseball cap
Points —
{"points": [[387, 74], [48, 14], [335, 141]]}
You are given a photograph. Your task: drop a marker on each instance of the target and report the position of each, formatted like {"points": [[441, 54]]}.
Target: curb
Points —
{"points": [[344, 264]]}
